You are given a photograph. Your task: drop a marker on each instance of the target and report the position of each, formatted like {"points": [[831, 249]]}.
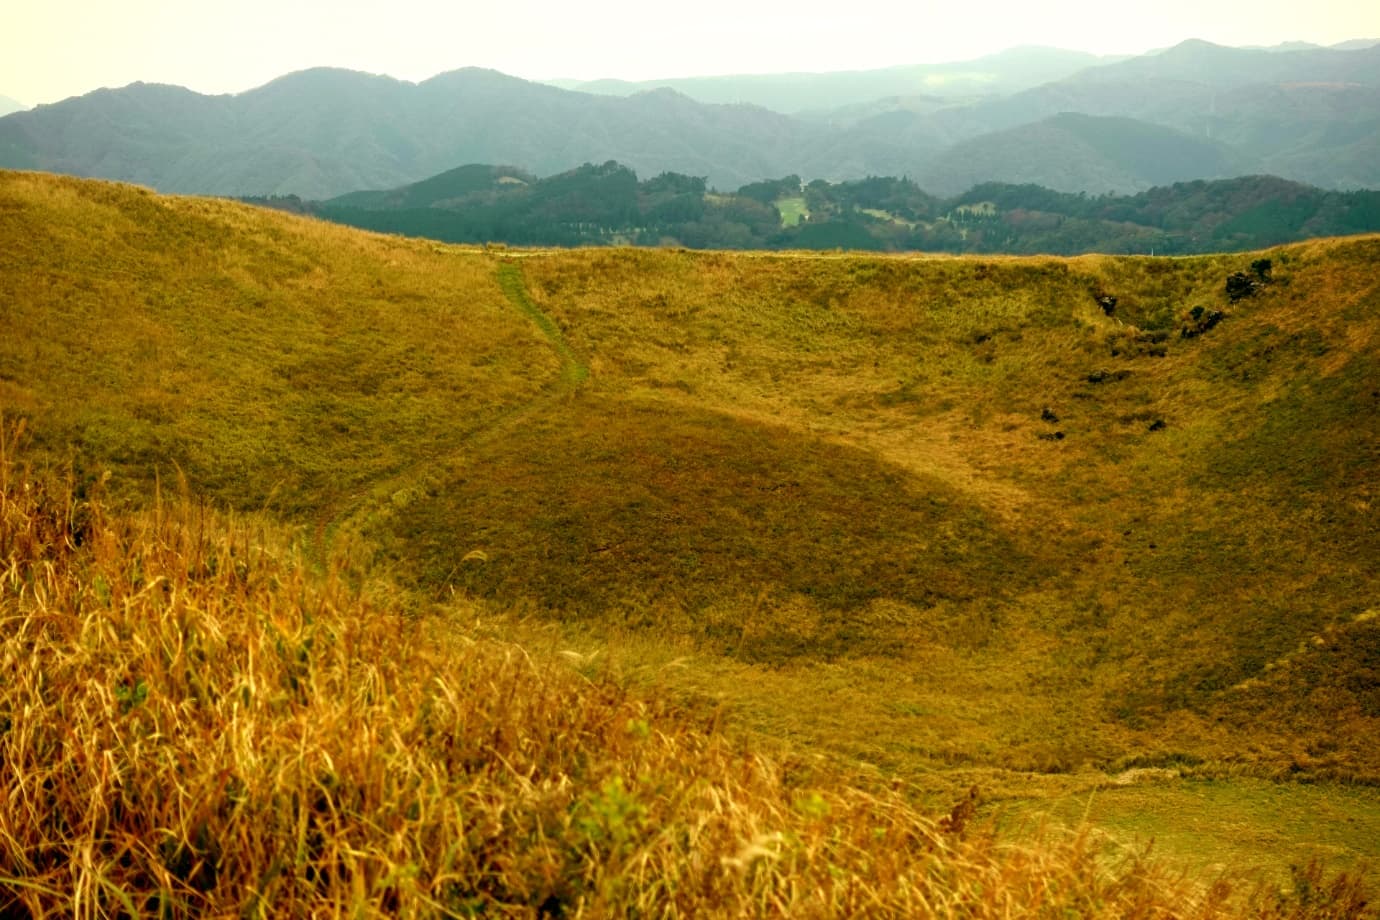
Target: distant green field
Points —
{"points": [[888, 216], [1211, 826], [792, 210]]}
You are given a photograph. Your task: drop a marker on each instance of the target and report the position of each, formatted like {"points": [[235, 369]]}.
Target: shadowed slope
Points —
{"points": [[645, 512]]}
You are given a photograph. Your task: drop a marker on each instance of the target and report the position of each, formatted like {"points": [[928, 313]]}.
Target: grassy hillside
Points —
{"points": [[1189, 492], [948, 518], [287, 365]]}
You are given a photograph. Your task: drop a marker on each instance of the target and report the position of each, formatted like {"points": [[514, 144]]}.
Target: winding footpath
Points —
{"points": [[573, 373], [364, 512]]}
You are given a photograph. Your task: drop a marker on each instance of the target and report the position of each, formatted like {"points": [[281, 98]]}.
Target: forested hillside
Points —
{"points": [[608, 204]]}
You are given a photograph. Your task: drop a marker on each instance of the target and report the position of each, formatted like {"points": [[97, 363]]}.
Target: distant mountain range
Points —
{"points": [[8, 105], [815, 94], [1087, 153], [323, 132], [1355, 44], [1194, 111]]}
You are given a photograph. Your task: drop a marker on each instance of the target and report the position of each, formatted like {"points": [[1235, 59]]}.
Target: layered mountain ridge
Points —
{"points": [[1311, 115]]}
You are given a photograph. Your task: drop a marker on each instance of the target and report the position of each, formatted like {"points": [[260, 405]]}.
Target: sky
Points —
{"points": [[52, 49]]}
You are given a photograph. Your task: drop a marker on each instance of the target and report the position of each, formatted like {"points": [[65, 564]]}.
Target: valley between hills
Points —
{"points": [[739, 561]]}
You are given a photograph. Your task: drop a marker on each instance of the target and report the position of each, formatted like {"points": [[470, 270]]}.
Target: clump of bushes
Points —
{"points": [[1241, 285], [1200, 320]]}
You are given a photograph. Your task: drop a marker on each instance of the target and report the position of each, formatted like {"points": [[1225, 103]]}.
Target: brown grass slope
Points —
{"points": [[282, 364], [829, 480]]}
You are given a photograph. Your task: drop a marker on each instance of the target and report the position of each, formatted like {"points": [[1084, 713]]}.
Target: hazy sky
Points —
{"points": [[51, 49]]}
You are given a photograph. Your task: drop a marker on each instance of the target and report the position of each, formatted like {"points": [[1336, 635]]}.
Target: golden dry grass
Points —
{"points": [[193, 724]]}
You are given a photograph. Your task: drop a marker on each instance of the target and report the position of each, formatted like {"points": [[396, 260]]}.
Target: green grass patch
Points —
{"points": [[1237, 824], [792, 210], [887, 216]]}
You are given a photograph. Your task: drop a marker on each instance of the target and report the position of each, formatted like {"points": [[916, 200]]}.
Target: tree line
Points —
{"points": [[607, 204]]}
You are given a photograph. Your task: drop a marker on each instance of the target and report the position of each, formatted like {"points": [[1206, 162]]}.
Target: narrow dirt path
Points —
{"points": [[573, 373], [413, 482]]}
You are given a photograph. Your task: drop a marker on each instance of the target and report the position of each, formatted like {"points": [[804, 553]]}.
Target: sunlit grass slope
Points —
{"points": [[946, 516], [281, 364]]}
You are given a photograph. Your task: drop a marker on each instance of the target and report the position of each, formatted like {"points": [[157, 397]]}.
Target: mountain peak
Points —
{"points": [[328, 77], [664, 94], [1196, 46], [476, 76]]}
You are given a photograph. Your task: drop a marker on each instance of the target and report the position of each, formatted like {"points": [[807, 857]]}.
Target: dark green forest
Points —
{"points": [[608, 205]]}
